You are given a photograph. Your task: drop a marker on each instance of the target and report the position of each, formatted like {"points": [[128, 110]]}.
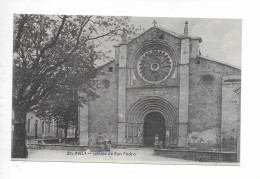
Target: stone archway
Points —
{"points": [[154, 124], [151, 105]]}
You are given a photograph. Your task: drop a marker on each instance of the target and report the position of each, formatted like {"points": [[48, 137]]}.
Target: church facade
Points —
{"points": [[160, 85]]}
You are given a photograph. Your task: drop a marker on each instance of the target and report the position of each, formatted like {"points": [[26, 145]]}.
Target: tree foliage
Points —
{"points": [[62, 104], [45, 45], [53, 55]]}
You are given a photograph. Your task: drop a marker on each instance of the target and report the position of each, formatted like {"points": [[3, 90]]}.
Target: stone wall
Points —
{"points": [[230, 123], [44, 129], [152, 36], [201, 156], [205, 101], [138, 89], [102, 112], [194, 48]]}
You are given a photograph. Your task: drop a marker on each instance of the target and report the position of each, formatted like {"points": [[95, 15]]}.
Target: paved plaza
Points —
{"points": [[131, 155]]}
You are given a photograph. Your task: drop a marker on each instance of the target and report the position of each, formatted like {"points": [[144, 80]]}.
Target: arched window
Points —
{"points": [[42, 126]]}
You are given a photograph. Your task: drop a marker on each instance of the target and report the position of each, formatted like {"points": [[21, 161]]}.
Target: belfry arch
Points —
{"points": [[145, 106]]}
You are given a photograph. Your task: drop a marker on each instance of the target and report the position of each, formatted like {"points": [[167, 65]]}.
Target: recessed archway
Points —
{"points": [[154, 124], [139, 113], [142, 107]]}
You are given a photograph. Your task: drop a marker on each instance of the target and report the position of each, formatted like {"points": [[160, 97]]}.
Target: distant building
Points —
{"points": [[40, 129], [160, 84]]}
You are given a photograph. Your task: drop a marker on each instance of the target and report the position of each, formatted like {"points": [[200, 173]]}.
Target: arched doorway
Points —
{"points": [[141, 111], [154, 123]]}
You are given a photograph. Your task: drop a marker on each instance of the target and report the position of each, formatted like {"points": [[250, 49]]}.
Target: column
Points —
{"points": [[122, 93], [184, 92]]}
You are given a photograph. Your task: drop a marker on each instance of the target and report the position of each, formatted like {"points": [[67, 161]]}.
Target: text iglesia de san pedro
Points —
{"points": [[160, 85]]}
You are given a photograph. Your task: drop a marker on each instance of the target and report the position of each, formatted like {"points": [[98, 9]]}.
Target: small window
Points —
{"points": [[161, 37], [110, 69]]}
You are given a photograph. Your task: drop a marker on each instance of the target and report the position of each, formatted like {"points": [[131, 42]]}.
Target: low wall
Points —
{"points": [[202, 156], [57, 147], [126, 145], [69, 141]]}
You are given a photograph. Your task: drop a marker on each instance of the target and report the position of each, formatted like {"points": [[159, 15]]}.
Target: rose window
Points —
{"points": [[154, 66]]}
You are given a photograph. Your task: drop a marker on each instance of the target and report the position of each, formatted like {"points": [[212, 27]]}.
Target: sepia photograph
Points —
{"points": [[126, 89]]}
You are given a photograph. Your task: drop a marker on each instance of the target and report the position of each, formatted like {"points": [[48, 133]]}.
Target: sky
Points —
{"points": [[221, 38]]}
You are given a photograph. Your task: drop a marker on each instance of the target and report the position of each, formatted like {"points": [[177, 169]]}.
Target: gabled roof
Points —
{"points": [[180, 36], [106, 63], [221, 62], [170, 32]]}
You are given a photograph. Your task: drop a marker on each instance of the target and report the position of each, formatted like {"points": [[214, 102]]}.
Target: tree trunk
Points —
{"points": [[19, 148]]}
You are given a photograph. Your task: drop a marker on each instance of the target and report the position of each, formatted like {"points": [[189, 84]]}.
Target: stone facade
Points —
{"points": [[206, 96], [230, 123], [185, 88], [39, 129], [100, 116]]}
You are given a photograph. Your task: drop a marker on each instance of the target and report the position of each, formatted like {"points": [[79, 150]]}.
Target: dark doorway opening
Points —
{"points": [[154, 123], [36, 129]]}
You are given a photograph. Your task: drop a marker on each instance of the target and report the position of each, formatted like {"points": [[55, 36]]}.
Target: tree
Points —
{"points": [[64, 111], [44, 47], [62, 105]]}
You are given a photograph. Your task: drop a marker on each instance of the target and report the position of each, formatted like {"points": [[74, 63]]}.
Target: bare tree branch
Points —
{"points": [[54, 41], [18, 36]]}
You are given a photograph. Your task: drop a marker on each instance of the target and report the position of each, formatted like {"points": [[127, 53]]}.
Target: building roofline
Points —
{"points": [[97, 67], [178, 35], [221, 62], [175, 34]]}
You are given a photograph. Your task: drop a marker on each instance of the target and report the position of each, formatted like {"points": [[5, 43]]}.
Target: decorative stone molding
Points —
{"points": [[142, 107], [155, 50]]}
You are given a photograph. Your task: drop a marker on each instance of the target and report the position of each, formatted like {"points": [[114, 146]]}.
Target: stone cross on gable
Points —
{"points": [[154, 23]]}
